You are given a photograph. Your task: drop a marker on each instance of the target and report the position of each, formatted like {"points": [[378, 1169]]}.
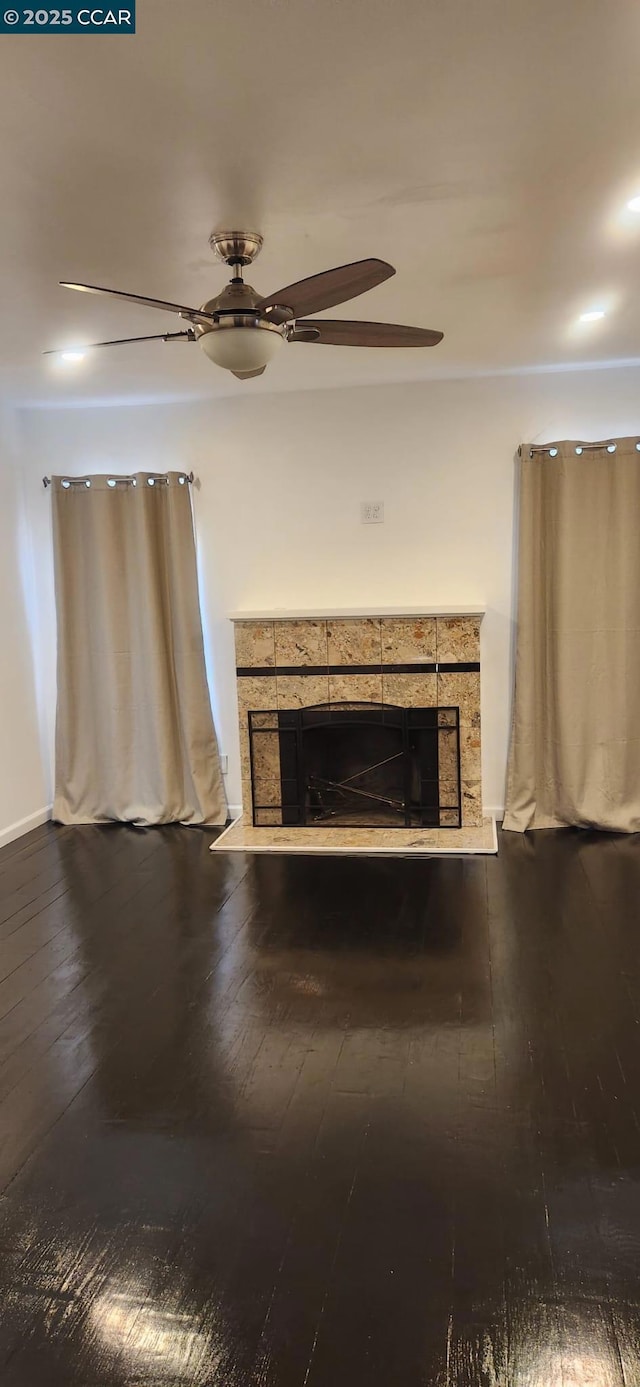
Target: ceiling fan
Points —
{"points": [[241, 331]]}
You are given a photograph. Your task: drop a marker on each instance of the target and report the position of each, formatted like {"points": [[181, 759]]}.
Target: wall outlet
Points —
{"points": [[224, 764], [372, 512]]}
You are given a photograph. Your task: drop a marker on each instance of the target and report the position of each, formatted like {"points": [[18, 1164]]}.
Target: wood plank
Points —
{"points": [[284, 1122]]}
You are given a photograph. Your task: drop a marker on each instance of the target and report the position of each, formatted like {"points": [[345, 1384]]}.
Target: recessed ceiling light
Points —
{"points": [[72, 356], [592, 315], [634, 204]]}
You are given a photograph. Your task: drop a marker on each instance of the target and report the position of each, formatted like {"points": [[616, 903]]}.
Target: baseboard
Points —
{"points": [[7, 835], [234, 811]]}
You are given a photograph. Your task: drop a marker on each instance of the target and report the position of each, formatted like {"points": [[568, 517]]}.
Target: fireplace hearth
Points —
{"points": [[357, 765]]}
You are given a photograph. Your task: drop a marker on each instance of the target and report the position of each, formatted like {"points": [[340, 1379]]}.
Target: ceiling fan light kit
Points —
{"points": [[242, 332], [241, 346]]}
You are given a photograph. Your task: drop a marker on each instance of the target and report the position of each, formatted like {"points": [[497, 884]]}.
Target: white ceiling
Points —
{"points": [[486, 147]]}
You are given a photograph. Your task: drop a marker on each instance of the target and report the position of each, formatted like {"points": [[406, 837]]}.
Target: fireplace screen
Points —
{"points": [[356, 765]]}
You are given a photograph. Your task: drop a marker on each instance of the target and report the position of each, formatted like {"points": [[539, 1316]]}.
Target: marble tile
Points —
{"points": [[301, 643], [447, 755], [470, 753], [265, 718], [458, 639], [266, 755], [255, 643], [461, 691], [448, 793], [355, 688], [405, 640], [258, 692], [245, 758], [302, 690], [253, 693], [267, 791], [356, 642], [268, 817], [247, 802], [449, 818], [471, 803], [410, 690]]}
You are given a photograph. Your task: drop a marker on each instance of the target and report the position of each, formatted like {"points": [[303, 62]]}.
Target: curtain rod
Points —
{"points": [[113, 481], [553, 448]]}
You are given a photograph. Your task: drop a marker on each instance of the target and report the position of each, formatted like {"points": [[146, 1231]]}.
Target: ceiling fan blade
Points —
{"points": [[187, 336], [335, 332], [138, 298], [325, 290], [247, 375]]}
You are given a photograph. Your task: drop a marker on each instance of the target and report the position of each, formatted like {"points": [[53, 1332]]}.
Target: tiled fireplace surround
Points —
{"points": [[409, 660]]}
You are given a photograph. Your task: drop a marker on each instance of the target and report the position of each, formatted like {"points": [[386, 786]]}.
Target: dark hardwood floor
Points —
{"points": [[310, 1122]]}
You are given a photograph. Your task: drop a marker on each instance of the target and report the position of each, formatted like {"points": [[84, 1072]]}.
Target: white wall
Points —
{"points": [[280, 482], [23, 792]]}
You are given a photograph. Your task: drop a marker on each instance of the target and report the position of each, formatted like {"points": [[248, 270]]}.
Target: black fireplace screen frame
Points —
{"points": [[418, 728]]}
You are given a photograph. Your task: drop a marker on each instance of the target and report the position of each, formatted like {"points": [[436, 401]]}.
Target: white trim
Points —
{"points": [[345, 613], [234, 811], [8, 835]]}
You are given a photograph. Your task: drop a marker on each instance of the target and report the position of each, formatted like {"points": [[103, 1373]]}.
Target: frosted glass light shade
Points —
{"points": [[240, 348]]}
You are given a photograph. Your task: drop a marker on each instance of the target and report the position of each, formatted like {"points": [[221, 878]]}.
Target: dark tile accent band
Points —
{"points": [[468, 667], [257, 671]]}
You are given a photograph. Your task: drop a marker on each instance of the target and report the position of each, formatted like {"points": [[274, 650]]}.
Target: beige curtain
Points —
{"points": [[134, 733], [575, 744]]}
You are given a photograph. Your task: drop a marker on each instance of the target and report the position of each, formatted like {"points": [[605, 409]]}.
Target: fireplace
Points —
{"points": [[356, 765], [314, 689]]}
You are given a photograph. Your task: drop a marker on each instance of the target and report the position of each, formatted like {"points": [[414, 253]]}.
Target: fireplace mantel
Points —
{"points": [[348, 613]]}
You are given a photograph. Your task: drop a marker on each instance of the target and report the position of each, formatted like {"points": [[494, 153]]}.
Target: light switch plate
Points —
{"points": [[372, 512]]}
